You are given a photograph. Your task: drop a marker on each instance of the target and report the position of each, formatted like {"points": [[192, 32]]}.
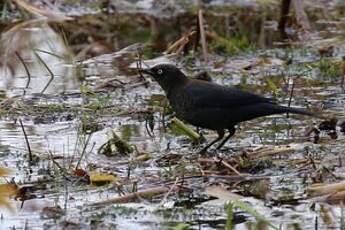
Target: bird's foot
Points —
{"points": [[203, 151], [216, 151], [206, 153]]}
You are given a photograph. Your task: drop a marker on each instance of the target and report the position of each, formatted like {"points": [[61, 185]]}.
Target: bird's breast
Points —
{"points": [[181, 103]]}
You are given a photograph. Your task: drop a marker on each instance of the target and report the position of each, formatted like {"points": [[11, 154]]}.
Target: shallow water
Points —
{"points": [[91, 93]]}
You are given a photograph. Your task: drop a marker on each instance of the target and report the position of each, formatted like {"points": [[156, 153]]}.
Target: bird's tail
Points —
{"points": [[299, 111]]}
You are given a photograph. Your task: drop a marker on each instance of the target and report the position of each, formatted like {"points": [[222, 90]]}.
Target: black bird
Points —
{"points": [[212, 106]]}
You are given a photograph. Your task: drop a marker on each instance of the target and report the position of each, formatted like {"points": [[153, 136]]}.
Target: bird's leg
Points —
{"points": [[232, 131], [220, 136]]}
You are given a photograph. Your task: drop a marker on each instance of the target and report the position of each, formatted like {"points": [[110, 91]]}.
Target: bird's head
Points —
{"points": [[168, 76]]}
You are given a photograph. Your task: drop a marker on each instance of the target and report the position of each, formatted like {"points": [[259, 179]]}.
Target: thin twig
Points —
{"points": [[139, 64], [214, 177], [149, 119], [197, 37], [130, 197], [226, 164], [50, 53], [202, 36], [291, 94], [27, 141], [177, 45], [343, 73], [75, 147], [48, 69], [26, 70], [342, 224], [168, 193], [269, 152], [83, 152]]}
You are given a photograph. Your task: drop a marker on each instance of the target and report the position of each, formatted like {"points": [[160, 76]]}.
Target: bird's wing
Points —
{"points": [[207, 94]]}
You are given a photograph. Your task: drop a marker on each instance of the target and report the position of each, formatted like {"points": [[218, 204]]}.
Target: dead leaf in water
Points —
{"points": [[324, 189], [102, 179], [6, 191], [50, 14], [223, 196], [52, 212], [4, 171]]}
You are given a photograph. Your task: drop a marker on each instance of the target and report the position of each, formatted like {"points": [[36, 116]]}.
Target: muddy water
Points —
{"points": [[104, 92]]}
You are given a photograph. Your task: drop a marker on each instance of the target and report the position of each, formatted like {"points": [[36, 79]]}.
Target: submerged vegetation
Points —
{"points": [[87, 142]]}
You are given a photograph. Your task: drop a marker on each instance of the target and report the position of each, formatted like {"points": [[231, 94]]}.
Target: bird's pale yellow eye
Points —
{"points": [[159, 71]]}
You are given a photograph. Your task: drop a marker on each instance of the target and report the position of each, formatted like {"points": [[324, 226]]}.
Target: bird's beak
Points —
{"points": [[148, 71]]}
